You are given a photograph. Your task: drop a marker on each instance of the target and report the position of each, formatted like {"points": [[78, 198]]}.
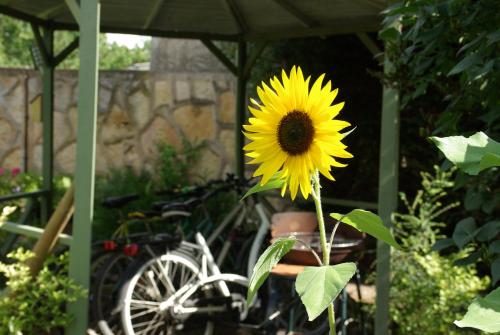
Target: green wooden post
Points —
{"points": [[240, 108], [387, 198], [79, 267], [47, 73]]}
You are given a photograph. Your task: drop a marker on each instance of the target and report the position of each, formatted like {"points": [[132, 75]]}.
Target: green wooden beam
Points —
{"points": [[21, 15], [154, 12], [31, 232], [52, 12], [253, 58], [239, 19], [41, 45], [370, 44], [297, 13], [28, 195], [387, 198], [47, 73], [74, 8], [240, 109], [220, 56], [79, 259], [61, 56]]}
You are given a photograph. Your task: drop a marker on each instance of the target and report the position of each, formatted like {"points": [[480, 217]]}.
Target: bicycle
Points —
{"points": [[185, 291], [117, 266], [185, 288]]}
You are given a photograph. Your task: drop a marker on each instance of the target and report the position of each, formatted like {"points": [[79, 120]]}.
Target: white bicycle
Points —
{"points": [[184, 291]]}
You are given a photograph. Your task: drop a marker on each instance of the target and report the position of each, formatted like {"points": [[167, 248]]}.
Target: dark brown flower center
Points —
{"points": [[295, 132]]}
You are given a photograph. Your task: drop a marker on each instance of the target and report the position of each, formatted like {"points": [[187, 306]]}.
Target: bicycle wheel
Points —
{"points": [[154, 282], [106, 288]]}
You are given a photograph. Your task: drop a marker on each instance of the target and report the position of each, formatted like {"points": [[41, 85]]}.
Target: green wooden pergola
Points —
{"points": [[238, 21]]}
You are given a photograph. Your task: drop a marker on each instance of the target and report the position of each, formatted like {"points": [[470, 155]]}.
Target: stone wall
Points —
{"points": [[136, 110]]}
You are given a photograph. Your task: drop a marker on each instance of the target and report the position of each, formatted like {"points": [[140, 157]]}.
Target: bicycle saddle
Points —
{"points": [[119, 201], [181, 206]]}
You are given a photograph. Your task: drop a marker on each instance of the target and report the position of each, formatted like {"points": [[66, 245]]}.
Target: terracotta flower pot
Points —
{"points": [[290, 222]]}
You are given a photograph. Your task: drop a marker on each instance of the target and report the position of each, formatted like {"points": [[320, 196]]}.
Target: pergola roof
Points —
{"points": [[212, 19], [233, 20]]}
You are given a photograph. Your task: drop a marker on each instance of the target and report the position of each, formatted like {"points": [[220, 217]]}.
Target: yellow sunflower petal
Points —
{"points": [[293, 132]]}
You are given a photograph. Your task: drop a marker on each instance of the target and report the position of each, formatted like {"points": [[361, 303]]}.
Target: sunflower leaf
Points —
{"points": [[274, 182], [369, 223], [318, 286], [266, 263], [470, 154], [483, 313]]}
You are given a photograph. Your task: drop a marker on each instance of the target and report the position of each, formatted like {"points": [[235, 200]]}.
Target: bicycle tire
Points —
{"points": [[139, 313]]}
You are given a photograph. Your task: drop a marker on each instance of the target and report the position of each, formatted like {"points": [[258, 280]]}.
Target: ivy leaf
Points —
{"points": [[464, 232], [470, 259], [483, 313], [369, 223], [318, 286], [470, 154], [443, 244], [489, 231], [389, 34], [464, 64], [495, 271], [494, 247], [274, 182], [266, 263]]}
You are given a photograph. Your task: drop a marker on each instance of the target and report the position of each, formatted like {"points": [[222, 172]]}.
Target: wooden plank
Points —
{"points": [[79, 258], [57, 223], [31, 232], [154, 12], [387, 197]]}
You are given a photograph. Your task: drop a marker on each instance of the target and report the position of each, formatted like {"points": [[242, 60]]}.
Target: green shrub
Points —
{"points": [[36, 305], [120, 182], [172, 170], [428, 292]]}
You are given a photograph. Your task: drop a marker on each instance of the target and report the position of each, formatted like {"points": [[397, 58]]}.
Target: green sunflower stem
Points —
{"points": [[316, 194]]}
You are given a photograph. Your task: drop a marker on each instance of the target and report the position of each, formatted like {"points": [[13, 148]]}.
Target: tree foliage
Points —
{"points": [[446, 66], [16, 39]]}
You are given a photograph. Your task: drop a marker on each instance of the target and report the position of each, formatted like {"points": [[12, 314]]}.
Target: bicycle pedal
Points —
{"points": [[211, 301]]}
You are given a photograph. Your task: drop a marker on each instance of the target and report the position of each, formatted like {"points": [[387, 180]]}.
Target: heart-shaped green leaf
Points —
{"points": [[495, 271], [267, 262], [471, 154], [494, 247], [369, 223], [443, 244], [318, 286], [483, 313], [464, 232], [274, 182]]}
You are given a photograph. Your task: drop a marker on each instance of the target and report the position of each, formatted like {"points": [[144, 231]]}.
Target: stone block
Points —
{"points": [[62, 95], [159, 130], [140, 106], [203, 89], [13, 159], [104, 101], [35, 160], [62, 130], [163, 93], [227, 107], [227, 141], [208, 166], [197, 123], [65, 159], [8, 133], [182, 90], [116, 127]]}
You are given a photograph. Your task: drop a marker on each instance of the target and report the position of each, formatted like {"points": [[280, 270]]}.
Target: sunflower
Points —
{"points": [[293, 133]]}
